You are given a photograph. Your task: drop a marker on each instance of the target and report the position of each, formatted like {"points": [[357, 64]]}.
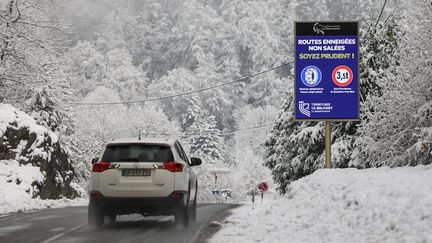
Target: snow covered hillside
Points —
{"points": [[33, 165], [341, 205]]}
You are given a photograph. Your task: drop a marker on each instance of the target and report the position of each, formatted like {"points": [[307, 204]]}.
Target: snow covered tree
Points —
{"points": [[121, 75], [86, 67], [29, 48], [398, 122], [347, 10], [382, 86], [42, 108], [248, 152], [311, 10], [205, 143], [208, 144], [148, 33], [378, 56], [177, 81], [193, 113], [294, 149], [248, 172], [97, 125], [151, 120], [417, 57]]}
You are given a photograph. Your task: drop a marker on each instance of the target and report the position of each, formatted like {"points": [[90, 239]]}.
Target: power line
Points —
{"points": [[392, 12], [185, 93], [212, 134], [382, 10], [248, 129]]}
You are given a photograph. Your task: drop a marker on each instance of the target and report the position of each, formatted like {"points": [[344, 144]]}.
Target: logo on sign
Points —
{"points": [[311, 76], [304, 108], [319, 28], [342, 75]]}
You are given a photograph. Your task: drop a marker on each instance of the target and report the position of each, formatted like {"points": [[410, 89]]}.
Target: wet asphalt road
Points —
{"points": [[70, 225]]}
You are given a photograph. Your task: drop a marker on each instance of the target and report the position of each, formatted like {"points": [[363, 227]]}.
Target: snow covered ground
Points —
{"points": [[16, 189], [341, 205]]}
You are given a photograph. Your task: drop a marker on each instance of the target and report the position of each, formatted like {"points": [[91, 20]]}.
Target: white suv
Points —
{"points": [[147, 176]]}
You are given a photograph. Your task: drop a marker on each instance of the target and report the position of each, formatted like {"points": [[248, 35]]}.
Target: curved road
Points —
{"points": [[70, 225]]}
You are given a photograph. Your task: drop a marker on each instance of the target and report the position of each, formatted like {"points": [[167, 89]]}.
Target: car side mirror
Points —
{"points": [[195, 161], [94, 160]]}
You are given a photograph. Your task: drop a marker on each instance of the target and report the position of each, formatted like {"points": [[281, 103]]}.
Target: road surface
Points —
{"points": [[70, 225]]}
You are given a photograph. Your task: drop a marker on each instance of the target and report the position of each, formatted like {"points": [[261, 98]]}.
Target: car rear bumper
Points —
{"points": [[143, 205]]}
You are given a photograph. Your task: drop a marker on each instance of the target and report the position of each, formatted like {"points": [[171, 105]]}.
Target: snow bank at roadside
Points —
{"points": [[17, 184], [341, 205], [33, 164]]}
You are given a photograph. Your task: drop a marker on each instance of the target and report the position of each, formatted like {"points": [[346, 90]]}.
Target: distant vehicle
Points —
{"points": [[146, 176]]}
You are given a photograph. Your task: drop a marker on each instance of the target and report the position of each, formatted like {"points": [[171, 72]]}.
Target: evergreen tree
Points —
{"points": [[43, 110], [192, 115], [294, 149], [207, 143], [378, 56]]}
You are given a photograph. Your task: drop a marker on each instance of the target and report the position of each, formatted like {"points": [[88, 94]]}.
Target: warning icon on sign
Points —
{"points": [[311, 76]]}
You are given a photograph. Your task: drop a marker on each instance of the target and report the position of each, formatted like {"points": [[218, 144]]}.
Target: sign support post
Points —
{"points": [[262, 187], [328, 163]]}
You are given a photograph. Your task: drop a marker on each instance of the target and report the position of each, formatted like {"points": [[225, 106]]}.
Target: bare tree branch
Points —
{"points": [[19, 13]]}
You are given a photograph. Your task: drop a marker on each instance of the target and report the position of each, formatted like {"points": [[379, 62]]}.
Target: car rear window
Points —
{"points": [[137, 153]]}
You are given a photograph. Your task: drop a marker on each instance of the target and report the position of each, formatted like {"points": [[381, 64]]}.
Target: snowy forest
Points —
{"points": [[87, 71]]}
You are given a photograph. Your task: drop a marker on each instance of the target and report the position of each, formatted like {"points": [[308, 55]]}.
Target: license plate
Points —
{"points": [[136, 172]]}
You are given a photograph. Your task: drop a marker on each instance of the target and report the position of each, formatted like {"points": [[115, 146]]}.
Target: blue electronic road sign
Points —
{"points": [[327, 80]]}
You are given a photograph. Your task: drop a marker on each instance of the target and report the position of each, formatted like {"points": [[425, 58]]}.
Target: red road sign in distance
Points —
{"points": [[262, 187]]}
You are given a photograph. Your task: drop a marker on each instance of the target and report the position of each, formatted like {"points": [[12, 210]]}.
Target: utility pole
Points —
{"points": [[328, 163]]}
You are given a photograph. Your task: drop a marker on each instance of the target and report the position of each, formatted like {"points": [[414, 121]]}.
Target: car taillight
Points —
{"points": [[173, 166], [95, 195], [101, 166]]}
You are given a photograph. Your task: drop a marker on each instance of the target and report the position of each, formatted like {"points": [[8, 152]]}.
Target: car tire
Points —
{"points": [[182, 213], [96, 215], [193, 209], [181, 216], [111, 219]]}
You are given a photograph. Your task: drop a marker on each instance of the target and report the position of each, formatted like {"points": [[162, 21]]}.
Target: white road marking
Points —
{"points": [[55, 237], [38, 218], [57, 229], [9, 229]]}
